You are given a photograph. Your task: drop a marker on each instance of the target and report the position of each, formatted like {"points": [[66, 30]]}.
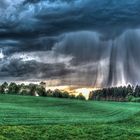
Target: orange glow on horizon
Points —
{"points": [[74, 90], [85, 91]]}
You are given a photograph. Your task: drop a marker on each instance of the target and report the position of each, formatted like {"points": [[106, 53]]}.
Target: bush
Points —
{"points": [[135, 100], [129, 98]]}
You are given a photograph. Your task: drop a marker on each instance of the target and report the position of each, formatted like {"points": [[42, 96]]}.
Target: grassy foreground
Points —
{"points": [[38, 118]]}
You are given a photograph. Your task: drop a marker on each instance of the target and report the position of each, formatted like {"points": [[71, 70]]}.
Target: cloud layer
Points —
{"points": [[80, 42]]}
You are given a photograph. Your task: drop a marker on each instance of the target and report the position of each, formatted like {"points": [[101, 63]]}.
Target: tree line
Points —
{"points": [[36, 90], [122, 93]]}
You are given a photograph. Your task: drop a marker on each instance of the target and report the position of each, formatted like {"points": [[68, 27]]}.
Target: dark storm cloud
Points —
{"points": [[30, 1], [27, 70], [43, 43], [29, 20], [2, 4], [50, 17], [124, 59], [113, 62], [89, 15], [27, 45], [94, 33], [85, 46]]}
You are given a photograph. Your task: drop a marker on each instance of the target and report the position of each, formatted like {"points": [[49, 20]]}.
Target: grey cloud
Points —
{"points": [[38, 18], [85, 46], [100, 36], [94, 61], [114, 62], [27, 45], [26, 70]]}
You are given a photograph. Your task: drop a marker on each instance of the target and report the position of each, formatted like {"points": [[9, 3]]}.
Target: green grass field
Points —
{"points": [[42, 118]]}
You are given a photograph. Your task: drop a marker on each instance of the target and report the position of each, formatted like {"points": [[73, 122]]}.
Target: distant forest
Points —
{"points": [[122, 93], [36, 90]]}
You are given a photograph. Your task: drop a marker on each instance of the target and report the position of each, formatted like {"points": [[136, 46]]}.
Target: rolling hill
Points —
{"points": [[26, 117]]}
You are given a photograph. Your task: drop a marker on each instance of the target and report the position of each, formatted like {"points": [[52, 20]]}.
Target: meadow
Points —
{"points": [[44, 118]]}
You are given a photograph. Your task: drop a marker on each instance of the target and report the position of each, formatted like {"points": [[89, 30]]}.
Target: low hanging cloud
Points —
{"points": [[103, 62]]}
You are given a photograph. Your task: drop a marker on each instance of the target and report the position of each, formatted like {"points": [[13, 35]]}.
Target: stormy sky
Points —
{"points": [[89, 43]]}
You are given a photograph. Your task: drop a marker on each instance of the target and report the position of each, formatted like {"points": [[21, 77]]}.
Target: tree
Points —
{"points": [[137, 91], [4, 88], [80, 97], [49, 93], [65, 94], [129, 89], [41, 90], [32, 89], [57, 93], [43, 84], [24, 92], [13, 88]]}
